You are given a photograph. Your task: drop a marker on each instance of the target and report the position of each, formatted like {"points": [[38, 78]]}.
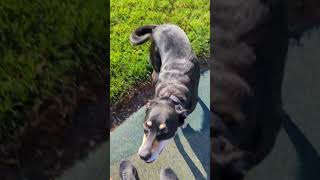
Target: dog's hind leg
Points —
{"points": [[154, 57], [155, 61], [154, 77]]}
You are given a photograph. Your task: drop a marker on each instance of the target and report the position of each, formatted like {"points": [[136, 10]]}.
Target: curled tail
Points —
{"points": [[141, 34]]}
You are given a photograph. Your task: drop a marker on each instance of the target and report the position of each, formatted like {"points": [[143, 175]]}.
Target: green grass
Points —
{"points": [[44, 48], [129, 65]]}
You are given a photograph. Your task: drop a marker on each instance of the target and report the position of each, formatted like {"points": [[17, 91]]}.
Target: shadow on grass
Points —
{"points": [[308, 155], [194, 138]]}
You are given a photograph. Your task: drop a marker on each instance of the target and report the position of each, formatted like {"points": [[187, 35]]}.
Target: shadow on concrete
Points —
{"points": [[308, 155], [194, 140]]}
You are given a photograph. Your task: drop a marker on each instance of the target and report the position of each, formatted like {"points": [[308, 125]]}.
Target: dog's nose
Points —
{"points": [[145, 154]]}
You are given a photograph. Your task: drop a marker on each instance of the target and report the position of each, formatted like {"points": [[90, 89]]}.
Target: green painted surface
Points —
{"points": [[187, 154]]}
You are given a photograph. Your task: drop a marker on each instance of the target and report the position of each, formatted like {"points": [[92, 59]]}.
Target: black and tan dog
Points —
{"points": [[249, 51], [176, 74]]}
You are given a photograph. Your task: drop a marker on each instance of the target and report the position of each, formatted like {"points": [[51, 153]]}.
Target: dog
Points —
{"points": [[176, 74], [250, 42]]}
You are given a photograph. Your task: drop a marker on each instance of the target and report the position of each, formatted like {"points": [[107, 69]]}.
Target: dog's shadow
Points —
{"points": [[194, 138], [307, 154]]}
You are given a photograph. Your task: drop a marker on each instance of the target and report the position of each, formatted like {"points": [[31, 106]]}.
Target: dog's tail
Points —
{"points": [[141, 34]]}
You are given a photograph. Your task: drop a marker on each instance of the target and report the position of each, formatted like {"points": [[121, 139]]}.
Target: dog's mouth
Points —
{"points": [[155, 152], [149, 161], [154, 156], [152, 159]]}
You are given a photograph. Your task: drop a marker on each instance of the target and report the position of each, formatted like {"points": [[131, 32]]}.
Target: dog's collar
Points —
{"points": [[175, 99]]}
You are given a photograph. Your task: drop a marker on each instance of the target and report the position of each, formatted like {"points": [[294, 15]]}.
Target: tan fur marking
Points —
{"points": [[149, 123], [144, 139], [155, 145], [162, 126]]}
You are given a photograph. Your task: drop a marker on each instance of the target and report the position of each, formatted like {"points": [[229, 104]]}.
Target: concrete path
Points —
{"points": [[187, 154]]}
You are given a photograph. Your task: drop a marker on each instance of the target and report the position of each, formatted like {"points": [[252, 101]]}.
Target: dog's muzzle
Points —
{"points": [[150, 149], [145, 153], [145, 150]]}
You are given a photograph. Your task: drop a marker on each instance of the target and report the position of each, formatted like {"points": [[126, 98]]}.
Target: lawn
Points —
{"points": [[47, 51], [129, 65]]}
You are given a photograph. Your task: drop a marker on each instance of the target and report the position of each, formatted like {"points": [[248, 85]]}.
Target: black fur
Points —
{"points": [[248, 57], [176, 74]]}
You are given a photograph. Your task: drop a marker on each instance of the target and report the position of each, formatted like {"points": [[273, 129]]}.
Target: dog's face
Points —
{"points": [[160, 126]]}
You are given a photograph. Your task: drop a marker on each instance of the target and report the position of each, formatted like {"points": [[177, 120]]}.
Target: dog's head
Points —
{"points": [[163, 117]]}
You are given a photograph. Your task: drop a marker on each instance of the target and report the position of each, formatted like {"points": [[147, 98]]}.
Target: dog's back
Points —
{"points": [[249, 49], [172, 41], [176, 75], [174, 62]]}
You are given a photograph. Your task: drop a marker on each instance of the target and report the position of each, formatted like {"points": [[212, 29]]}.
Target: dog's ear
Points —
{"points": [[182, 112], [149, 103]]}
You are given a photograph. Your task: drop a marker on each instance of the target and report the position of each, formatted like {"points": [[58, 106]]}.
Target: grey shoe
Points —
{"points": [[128, 171], [168, 174]]}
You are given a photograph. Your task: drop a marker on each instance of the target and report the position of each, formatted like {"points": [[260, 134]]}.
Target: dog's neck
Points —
{"points": [[175, 99]]}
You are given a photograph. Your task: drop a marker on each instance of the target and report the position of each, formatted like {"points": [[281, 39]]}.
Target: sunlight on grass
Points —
{"points": [[128, 64]]}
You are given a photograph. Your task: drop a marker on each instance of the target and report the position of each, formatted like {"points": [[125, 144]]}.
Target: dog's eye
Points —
{"points": [[145, 131], [163, 131]]}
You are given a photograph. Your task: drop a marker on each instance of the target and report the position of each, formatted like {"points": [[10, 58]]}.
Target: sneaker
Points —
{"points": [[168, 174], [128, 171]]}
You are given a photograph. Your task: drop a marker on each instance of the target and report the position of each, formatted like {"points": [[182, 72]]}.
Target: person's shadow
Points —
{"points": [[308, 155], [202, 151]]}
